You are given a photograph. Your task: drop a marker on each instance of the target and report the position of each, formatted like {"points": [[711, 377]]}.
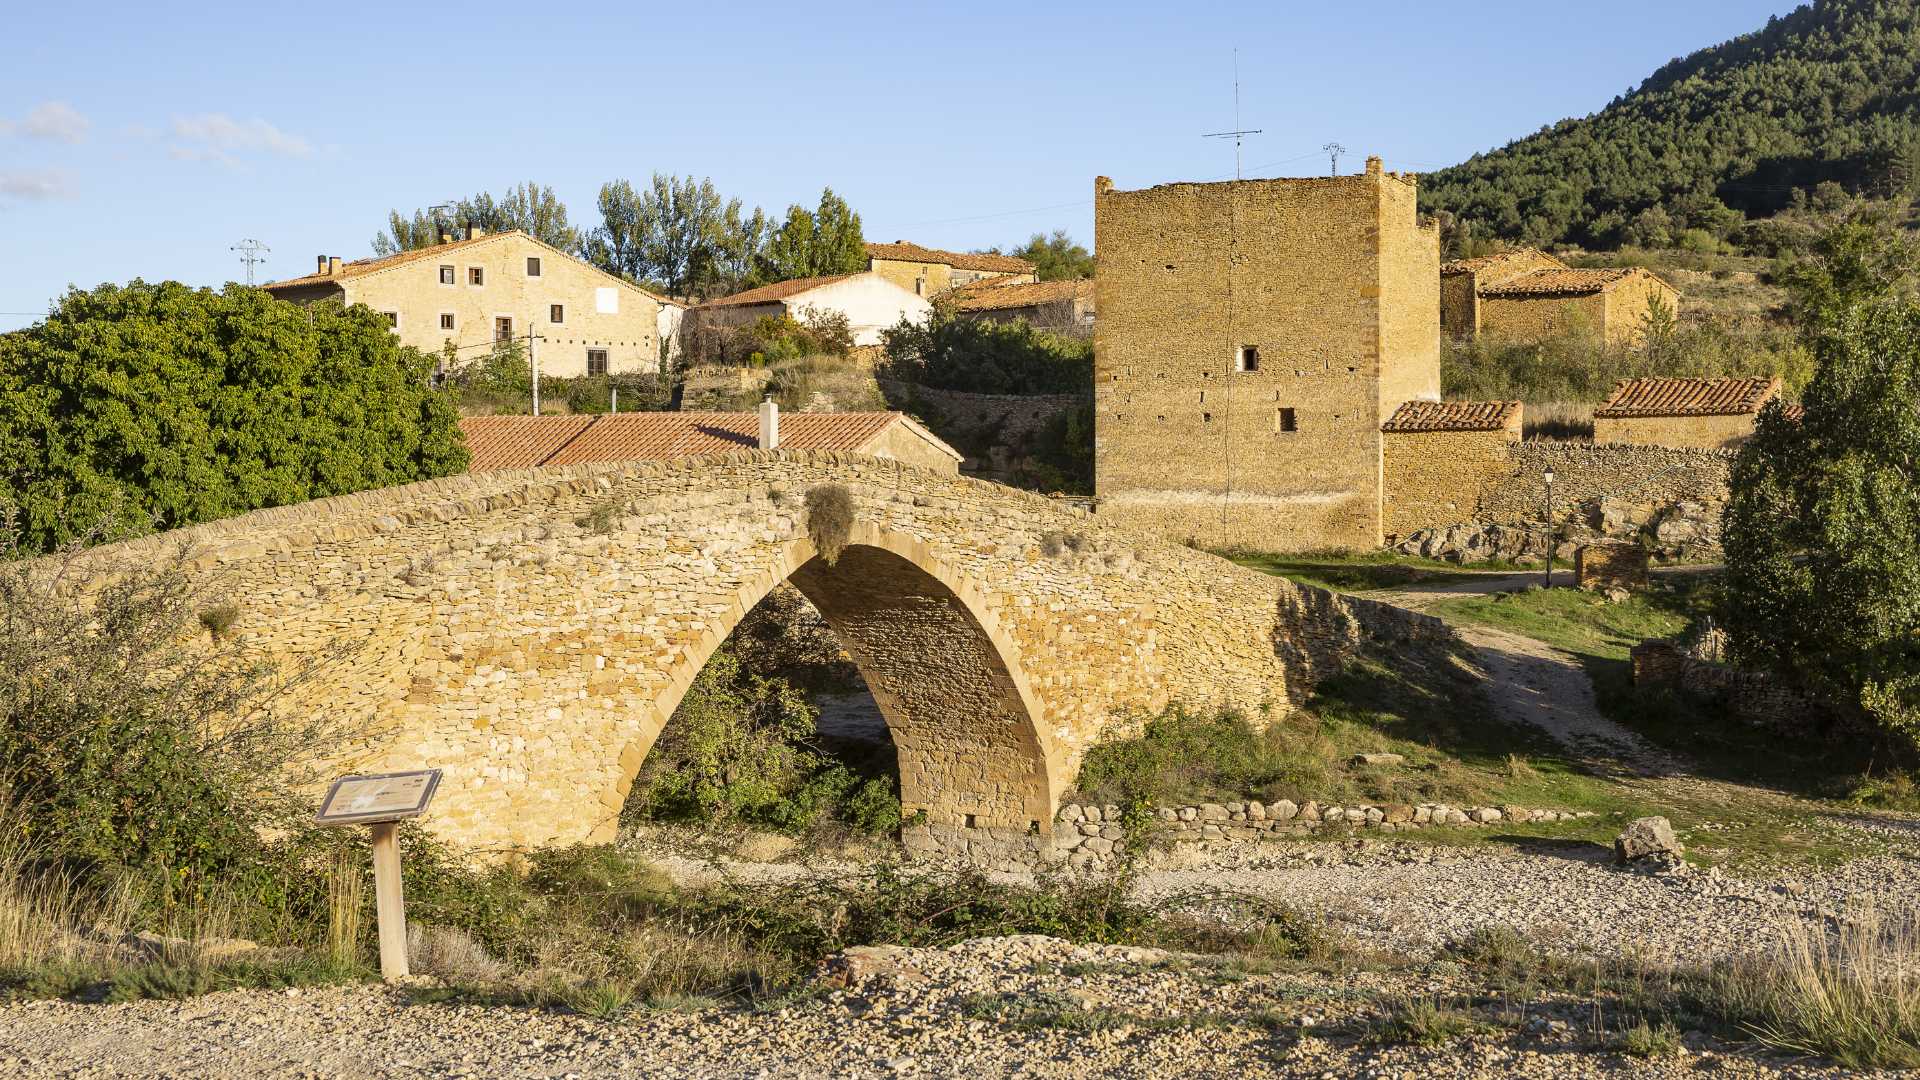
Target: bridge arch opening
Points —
{"points": [[977, 774]]}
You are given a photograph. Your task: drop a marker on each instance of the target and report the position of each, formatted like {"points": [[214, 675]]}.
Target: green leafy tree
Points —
{"points": [[169, 405], [529, 208], [985, 357], [1056, 257], [814, 243], [677, 233], [1822, 530]]}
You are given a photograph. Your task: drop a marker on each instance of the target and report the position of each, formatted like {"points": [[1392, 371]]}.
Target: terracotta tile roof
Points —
{"points": [[363, 267], [779, 290], [1453, 416], [1482, 262], [1568, 282], [517, 442], [1794, 413], [1687, 397], [993, 294], [523, 442], [902, 251]]}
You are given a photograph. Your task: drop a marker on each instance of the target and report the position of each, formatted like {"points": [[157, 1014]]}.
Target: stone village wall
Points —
{"points": [[1478, 495], [530, 632]]}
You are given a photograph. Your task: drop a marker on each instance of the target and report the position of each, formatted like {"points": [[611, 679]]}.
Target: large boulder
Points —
{"points": [[1646, 838]]}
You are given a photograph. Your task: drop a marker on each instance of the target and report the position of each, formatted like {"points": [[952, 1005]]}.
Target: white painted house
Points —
{"points": [[870, 302]]}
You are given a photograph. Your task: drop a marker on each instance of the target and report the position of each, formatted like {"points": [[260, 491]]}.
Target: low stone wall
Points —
{"points": [[1610, 566], [1757, 698], [1666, 499], [1087, 836]]}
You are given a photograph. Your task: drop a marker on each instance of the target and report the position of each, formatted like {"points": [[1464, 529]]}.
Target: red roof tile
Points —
{"points": [[523, 442], [517, 442], [902, 251], [1453, 416], [1568, 282], [779, 290], [1687, 397], [994, 294], [363, 267]]}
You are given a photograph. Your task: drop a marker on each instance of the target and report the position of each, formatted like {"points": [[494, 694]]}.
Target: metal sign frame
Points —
{"points": [[323, 817]]}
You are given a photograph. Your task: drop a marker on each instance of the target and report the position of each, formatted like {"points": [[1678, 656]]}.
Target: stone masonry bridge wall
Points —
{"points": [[530, 632]]}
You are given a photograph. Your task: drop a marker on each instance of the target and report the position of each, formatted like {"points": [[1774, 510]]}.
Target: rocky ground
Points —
{"points": [[997, 1007]]}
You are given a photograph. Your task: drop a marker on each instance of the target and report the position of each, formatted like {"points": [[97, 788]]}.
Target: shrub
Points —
{"points": [[1580, 367], [985, 357], [162, 406], [830, 519], [131, 745], [1853, 995]]}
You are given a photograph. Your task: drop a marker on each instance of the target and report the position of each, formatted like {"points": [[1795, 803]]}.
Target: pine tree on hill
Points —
{"points": [[1829, 92]]}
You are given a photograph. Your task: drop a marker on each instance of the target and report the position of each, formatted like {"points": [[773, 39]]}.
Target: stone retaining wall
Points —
{"points": [[994, 431], [1666, 499], [1087, 836]]}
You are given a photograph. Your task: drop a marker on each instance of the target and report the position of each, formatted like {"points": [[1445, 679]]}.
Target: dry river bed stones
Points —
{"points": [[1022, 1007], [1088, 833]]}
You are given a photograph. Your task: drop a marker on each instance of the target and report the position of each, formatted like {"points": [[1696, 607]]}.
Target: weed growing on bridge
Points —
{"points": [[829, 519]]}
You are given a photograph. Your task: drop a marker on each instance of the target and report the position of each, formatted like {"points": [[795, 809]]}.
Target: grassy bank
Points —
{"points": [[1355, 571], [1427, 705]]}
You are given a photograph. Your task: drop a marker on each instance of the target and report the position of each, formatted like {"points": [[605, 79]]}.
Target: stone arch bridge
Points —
{"points": [[530, 632]]}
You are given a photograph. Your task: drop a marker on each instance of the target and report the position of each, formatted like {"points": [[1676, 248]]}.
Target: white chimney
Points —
{"points": [[769, 425]]}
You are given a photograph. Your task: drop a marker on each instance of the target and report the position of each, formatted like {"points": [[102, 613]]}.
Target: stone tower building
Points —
{"points": [[1253, 337]]}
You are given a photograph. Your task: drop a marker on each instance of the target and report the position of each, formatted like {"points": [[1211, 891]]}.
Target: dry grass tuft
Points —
{"points": [[830, 519], [1852, 994]]}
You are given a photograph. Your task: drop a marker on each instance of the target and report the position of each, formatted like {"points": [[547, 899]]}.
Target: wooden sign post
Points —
{"points": [[382, 802]]}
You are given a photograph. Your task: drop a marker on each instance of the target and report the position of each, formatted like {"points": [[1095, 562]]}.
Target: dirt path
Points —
{"points": [[1534, 683]]}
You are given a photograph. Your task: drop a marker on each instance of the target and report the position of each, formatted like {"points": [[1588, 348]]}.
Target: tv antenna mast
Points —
{"points": [[1238, 133], [1334, 150], [251, 252]]}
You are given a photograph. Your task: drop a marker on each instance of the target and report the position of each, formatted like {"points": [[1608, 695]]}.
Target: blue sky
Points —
{"points": [[137, 141]]}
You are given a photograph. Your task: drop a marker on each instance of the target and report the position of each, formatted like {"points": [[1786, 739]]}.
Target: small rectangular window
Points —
{"points": [[476, 275], [1248, 358], [502, 328], [446, 320], [393, 319], [1283, 420], [596, 361], [533, 266], [556, 313], [446, 275]]}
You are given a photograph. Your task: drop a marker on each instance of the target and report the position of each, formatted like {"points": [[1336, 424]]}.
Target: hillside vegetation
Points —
{"points": [[1828, 93]]}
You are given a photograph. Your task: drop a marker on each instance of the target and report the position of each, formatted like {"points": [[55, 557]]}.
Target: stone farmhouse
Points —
{"points": [[1528, 295], [1056, 305], [1253, 337], [1713, 414], [870, 301], [929, 271], [486, 288], [527, 442]]}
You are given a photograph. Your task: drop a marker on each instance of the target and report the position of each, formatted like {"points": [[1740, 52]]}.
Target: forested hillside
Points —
{"points": [[1830, 92]]}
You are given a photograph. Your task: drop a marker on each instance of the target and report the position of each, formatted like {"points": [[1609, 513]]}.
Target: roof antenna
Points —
{"points": [[1238, 131]]}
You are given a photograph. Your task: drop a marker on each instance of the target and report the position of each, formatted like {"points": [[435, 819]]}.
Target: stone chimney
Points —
{"points": [[474, 232], [333, 265], [769, 425], [1373, 166], [320, 264]]}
